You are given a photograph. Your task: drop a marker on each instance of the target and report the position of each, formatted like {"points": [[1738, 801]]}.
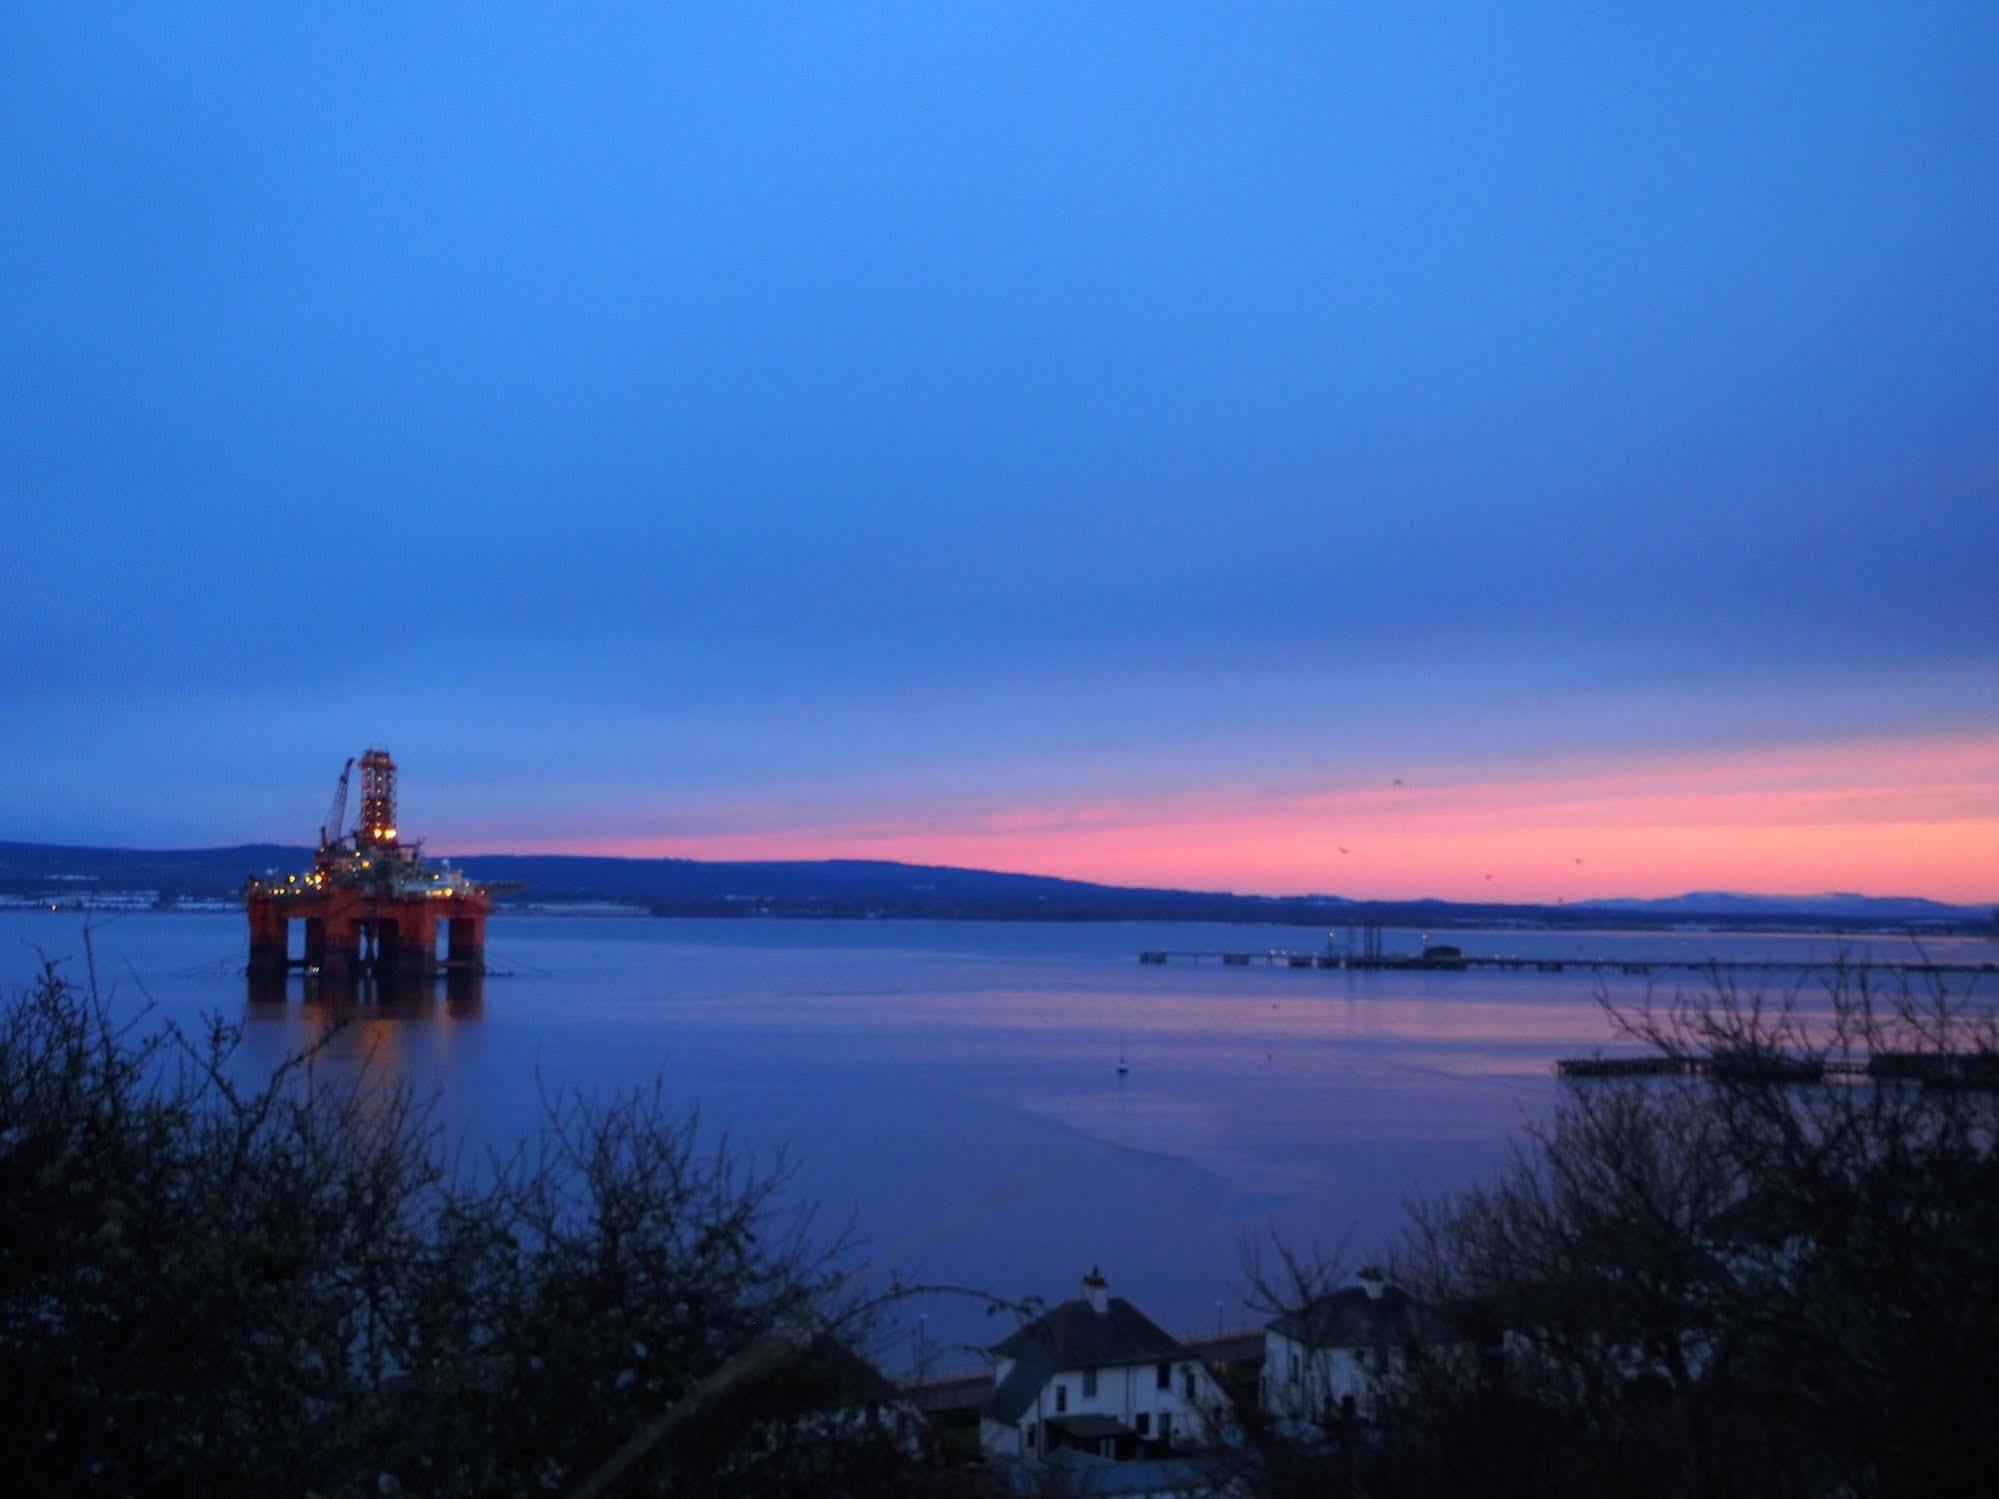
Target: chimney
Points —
{"points": [[1097, 1291], [1371, 1281]]}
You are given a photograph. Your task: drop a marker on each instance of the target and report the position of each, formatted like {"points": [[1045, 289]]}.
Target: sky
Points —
{"points": [[1478, 451]]}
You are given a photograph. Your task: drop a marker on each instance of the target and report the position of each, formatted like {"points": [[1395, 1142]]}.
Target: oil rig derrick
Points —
{"points": [[371, 903]]}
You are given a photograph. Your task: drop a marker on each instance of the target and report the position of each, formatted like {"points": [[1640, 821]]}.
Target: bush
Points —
{"points": [[1730, 1281], [209, 1288]]}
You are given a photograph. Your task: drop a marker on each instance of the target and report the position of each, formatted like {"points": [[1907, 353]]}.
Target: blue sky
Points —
{"points": [[663, 425]]}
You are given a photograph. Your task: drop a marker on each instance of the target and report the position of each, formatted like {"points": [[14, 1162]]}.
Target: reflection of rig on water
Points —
{"points": [[371, 905]]}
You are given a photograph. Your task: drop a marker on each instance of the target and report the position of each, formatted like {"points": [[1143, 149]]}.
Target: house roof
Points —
{"points": [[1351, 1318], [1073, 1336], [844, 1373], [825, 1375], [1013, 1395]]}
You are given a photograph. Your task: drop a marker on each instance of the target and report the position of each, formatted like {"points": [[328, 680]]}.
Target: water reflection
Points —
{"points": [[383, 1033], [365, 997]]}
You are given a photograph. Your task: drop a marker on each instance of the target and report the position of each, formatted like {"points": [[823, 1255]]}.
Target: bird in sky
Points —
{"points": [[1488, 876], [1579, 861], [1398, 780], [1343, 848]]}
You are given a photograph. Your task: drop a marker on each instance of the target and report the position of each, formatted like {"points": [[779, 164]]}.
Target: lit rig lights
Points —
{"points": [[377, 827]]}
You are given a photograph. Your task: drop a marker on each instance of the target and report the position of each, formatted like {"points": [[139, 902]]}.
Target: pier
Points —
{"points": [[1451, 960], [1962, 1070]]}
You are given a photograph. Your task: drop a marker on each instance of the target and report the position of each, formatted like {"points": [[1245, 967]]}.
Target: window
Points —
{"points": [[1143, 1421], [1089, 1383], [1166, 1426], [1165, 1376], [1187, 1383], [1061, 1397]]}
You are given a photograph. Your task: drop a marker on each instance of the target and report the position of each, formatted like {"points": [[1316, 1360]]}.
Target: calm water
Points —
{"points": [[952, 1087]]}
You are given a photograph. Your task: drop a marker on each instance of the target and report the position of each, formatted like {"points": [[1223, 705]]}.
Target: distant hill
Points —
{"points": [[871, 887], [1837, 906], [32, 868]]}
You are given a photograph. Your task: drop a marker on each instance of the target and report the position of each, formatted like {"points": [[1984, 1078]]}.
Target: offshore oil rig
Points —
{"points": [[371, 904]]}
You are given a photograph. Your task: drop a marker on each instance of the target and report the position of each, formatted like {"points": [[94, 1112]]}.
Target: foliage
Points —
{"points": [[214, 1288], [1725, 1281]]}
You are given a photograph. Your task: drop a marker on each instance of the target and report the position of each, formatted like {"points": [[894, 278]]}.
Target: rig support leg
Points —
{"points": [[267, 937], [343, 949], [416, 942], [468, 943]]}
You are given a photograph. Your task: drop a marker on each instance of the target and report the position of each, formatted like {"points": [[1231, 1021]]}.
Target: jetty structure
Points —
{"points": [[1443, 958], [371, 904]]}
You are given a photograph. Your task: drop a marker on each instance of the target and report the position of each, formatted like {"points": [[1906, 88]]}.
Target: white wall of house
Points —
{"points": [[1190, 1404], [1303, 1383]]}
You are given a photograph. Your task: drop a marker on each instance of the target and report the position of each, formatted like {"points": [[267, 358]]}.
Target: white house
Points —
{"points": [[1341, 1355], [1098, 1376]]}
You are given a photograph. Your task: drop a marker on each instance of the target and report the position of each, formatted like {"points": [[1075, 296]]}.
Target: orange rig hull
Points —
{"points": [[349, 932]]}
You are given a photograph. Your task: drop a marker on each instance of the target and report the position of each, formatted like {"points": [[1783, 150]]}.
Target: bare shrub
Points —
{"points": [[287, 1288]]}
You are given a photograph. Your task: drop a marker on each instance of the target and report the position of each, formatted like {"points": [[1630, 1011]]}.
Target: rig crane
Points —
{"points": [[329, 831]]}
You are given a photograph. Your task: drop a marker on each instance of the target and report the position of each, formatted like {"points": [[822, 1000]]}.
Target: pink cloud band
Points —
{"points": [[1905, 816]]}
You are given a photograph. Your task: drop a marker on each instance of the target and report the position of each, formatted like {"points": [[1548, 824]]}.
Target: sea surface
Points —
{"points": [[950, 1090]]}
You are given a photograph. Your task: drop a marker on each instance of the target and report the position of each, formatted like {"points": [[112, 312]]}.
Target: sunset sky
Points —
{"points": [[1546, 451]]}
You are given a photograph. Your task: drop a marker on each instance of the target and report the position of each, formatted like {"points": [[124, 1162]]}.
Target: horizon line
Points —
{"points": [[1038, 874]]}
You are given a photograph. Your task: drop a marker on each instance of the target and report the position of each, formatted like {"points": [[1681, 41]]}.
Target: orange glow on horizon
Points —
{"points": [[1888, 817]]}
